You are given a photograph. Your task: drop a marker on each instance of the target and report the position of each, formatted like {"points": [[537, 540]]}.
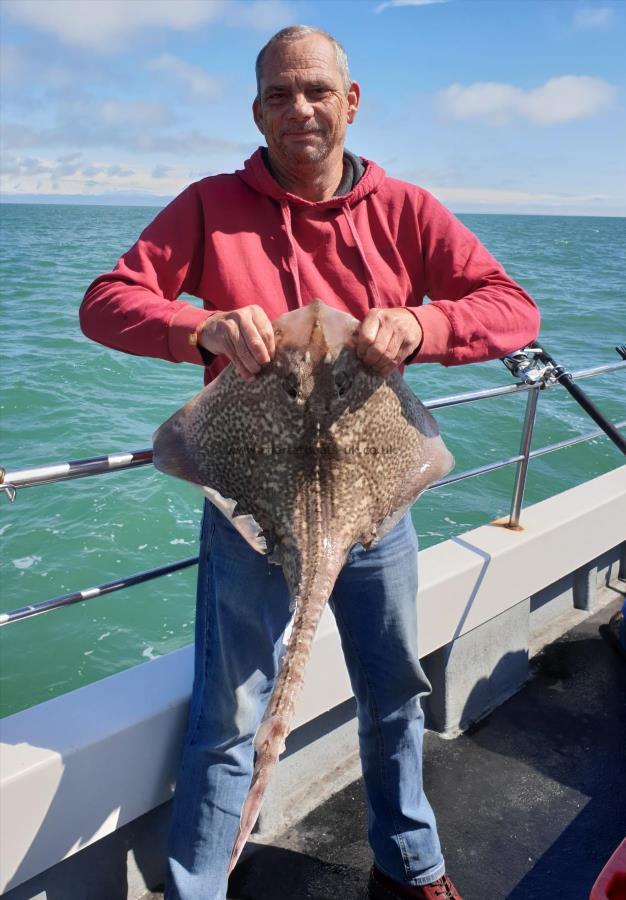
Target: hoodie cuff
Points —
{"points": [[181, 333], [437, 334]]}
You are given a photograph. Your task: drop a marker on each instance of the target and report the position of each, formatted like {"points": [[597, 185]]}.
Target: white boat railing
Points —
{"points": [[13, 481]]}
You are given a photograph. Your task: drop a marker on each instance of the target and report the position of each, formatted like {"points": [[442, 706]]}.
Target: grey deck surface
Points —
{"points": [[530, 803]]}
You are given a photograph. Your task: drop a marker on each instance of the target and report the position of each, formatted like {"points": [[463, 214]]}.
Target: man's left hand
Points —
{"points": [[386, 338]]}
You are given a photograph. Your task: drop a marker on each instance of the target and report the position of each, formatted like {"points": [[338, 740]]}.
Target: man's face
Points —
{"points": [[303, 109]]}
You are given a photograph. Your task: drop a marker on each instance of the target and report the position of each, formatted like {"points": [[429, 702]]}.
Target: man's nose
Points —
{"points": [[301, 107]]}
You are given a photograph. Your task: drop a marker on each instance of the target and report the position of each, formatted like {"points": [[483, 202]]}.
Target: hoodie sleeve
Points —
{"points": [[476, 311], [134, 308]]}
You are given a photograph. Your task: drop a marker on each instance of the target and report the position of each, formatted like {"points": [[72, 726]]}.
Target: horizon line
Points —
{"points": [[56, 200]]}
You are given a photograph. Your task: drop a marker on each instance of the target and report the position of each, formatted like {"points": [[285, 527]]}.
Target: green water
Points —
{"points": [[63, 397]]}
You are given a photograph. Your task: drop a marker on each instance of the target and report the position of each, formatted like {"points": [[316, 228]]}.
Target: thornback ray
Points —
{"points": [[315, 455]]}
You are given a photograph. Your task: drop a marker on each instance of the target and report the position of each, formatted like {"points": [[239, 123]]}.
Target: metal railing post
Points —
{"points": [[522, 466], [99, 465]]}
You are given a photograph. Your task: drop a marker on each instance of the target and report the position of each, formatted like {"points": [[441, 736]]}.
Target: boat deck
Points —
{"points": [[530, 803]]}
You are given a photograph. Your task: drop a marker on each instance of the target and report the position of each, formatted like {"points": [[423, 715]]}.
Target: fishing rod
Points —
{"points": [[534, 365], [35, 609]]}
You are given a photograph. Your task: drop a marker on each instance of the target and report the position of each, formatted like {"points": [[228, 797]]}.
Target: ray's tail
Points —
{"points": [[269, 741]]}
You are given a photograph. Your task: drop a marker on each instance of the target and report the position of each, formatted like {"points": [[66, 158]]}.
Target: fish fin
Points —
{"points": [[246, 525], [435, 463], [267, 732], [387, 524], [269, 743]]}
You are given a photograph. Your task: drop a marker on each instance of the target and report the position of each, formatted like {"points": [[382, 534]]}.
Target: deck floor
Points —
{"points": [[530, 803]]}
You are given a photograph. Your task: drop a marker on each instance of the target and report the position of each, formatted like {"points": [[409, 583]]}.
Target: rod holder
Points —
{"points": [[522, 467]]}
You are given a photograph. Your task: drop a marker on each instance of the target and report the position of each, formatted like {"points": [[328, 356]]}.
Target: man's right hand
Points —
{"points": [[244, 335]]}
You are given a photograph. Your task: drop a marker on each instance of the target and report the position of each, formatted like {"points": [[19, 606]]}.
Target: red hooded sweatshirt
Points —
{"points": [[234, 240]]}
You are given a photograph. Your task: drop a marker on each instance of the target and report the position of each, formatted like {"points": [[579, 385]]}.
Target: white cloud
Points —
{"points": [[498, 197], [134, 113], [12, 64], [21, 70], [127, 134], [31, 77], [562, 99], [591, 17], [262, 15], [69, 169], [107, 26], [192, 78], [77, 175], [388, 3], [161, 171]]}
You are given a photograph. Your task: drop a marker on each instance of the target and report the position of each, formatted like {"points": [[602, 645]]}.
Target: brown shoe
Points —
{"points": [[381, 887]]}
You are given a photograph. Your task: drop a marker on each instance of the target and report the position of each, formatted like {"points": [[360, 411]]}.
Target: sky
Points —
{"points": [[511, 106]]}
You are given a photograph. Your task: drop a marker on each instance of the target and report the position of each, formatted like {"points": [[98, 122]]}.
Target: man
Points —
{"points": [[306, 219]]}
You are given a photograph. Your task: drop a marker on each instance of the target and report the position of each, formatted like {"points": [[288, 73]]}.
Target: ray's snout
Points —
{"points": [[316, 329]]}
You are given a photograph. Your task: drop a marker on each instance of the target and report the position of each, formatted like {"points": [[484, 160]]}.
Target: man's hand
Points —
{"points": [[244, 335], [386, 338]]}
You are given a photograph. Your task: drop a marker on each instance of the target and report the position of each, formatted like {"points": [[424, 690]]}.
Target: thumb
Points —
{"points": [[370, 326]]}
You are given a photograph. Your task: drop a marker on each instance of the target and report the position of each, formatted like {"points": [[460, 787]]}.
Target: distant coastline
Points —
{"points": [[88, 199], [156, 201]]}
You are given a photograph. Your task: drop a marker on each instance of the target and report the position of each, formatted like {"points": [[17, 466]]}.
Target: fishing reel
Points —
{"points": [[532, 366], [537, 368]]}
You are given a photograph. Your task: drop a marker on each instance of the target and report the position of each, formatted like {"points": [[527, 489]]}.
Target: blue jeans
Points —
{"points": [[242, 612]]}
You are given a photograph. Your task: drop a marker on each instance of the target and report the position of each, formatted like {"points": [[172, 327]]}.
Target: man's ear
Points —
{"points": [[354, 98], [258, 115]]}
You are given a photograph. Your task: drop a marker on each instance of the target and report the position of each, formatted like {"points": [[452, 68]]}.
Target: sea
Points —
{"points": [[63, 397]]}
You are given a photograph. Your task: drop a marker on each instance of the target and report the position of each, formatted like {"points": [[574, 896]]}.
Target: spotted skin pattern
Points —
{"points": [[323, 454]]}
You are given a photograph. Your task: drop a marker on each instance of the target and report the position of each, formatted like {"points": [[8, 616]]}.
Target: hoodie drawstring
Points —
{"points": [[293, 257], [372, 287], [369, 275]]}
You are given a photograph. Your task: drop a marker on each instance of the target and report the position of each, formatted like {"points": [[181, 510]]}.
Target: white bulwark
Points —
{"points": [[78, 768]]}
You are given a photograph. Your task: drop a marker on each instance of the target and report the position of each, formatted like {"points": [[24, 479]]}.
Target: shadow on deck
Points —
{"points": [[530, 802]]}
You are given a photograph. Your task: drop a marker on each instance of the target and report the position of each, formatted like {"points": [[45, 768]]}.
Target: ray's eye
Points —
{"points": [[342, 383], [291, 386]]}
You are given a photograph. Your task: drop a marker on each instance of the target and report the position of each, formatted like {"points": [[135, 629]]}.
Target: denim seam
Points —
{"points": [[419, 881], [209, 623], [381, 741]]}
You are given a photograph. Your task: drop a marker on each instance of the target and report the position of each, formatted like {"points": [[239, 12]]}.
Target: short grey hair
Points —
{"points": [[295, 33]]}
